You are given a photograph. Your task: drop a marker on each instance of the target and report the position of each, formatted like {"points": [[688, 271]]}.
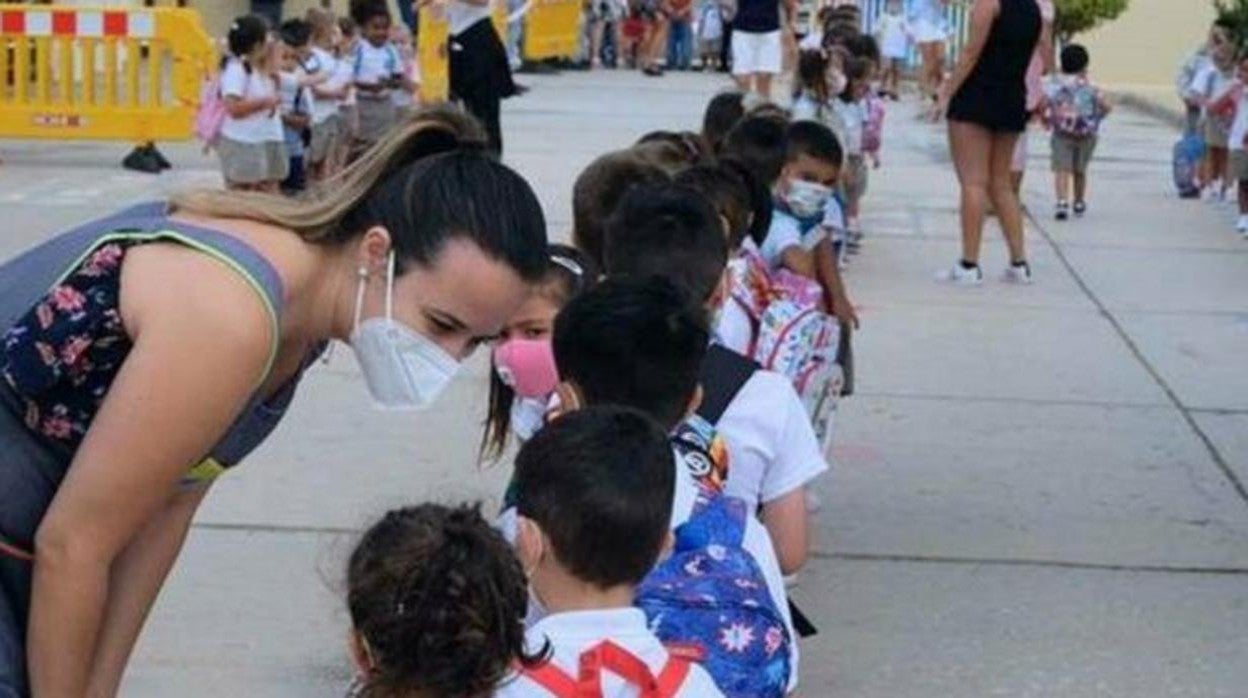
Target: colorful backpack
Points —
{"points": [[1074, 110], [793, 336], [873, 129], [210, 116], [608, 656], [711, 597]]}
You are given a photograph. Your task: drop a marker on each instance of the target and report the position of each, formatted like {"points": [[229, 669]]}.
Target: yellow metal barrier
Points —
{"points": [[552, 29], [435, 79], [79, 73]]}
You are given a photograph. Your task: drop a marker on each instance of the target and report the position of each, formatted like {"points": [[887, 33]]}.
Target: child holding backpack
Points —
{"points": [[641, 343], [594, 494], [773, 453], [1075, 111]]}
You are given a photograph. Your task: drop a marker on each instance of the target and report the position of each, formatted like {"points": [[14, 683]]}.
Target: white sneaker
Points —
{"points": [[1215, 194], [961, 276], [1242, 224], [1018, 274]]}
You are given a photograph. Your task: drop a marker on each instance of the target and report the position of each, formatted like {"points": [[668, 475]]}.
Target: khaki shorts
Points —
{"points": [[1217, 134], [325, 137], [377, 116], [253, 163], [1072, 154], [1239, 165]]}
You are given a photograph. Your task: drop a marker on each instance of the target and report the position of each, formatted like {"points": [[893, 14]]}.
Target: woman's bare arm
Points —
{"points": [[201, 342]]}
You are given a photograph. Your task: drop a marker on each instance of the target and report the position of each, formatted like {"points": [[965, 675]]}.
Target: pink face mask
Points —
{"points": [[528, 366]]}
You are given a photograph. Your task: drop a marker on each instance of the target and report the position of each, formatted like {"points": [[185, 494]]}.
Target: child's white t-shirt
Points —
{"points": [[345, 71], [854, 116], [258, 127], [295, 97], [323, 61], [772, 447], [571, 634], [786, 232], [1239, 127], [376, 64]]}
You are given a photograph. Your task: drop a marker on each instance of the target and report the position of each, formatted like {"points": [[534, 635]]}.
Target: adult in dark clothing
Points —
{"points": [[480, 74], [758, 42], [986, 103]]}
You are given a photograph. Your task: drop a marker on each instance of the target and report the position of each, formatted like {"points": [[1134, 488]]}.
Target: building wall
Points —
{"points": [[1145, 46]]}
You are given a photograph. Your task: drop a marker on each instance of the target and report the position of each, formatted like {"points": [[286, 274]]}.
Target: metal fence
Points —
{"points": [[957, 17]]}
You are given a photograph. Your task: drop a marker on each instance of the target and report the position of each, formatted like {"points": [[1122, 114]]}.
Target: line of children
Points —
{"points": [[300, 104]]}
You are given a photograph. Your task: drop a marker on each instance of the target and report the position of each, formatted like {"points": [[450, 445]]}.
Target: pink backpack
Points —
{"points": [[792, 335], [873, 129], [210, 117]]}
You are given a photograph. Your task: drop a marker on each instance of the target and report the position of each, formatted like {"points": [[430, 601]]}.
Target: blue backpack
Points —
{"points": [[711, 599], [1187, 156]]}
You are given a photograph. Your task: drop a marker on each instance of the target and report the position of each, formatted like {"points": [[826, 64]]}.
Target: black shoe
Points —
{"points": [[1063, 211], [1080, 208], [142, 159], [653, 71], [159, 157]]}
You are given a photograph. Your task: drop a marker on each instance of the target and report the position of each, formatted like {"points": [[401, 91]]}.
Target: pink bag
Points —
{"points": [[210, 117]]}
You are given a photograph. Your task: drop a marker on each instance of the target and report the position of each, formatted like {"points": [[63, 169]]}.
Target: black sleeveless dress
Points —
{"points": [[995, 94]]}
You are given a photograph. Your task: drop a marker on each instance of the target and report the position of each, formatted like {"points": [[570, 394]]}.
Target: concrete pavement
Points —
{"points": [[1036, 491]]}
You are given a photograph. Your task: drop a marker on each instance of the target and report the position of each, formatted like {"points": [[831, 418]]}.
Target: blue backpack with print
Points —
{"points": [[710, 601]]}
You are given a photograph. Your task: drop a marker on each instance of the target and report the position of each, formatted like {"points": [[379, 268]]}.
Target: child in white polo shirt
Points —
{"points": [[594, 495]]}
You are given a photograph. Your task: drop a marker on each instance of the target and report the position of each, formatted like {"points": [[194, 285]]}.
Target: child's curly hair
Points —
{"points": [[439, 598]]}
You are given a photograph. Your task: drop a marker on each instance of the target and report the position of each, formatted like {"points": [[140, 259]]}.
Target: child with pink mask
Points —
{"points": [[524, 375]]}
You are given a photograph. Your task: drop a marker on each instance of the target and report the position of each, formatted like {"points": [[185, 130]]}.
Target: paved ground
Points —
{"points": [[1036, 491]]}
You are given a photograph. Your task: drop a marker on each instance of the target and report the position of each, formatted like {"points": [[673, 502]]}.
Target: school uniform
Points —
{"points": [[571, 634], [772, 447], [326, 121], [252, 149], [374, 65]]}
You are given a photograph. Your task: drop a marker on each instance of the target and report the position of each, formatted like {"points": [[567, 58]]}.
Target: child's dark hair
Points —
{"points": [[295, 33], [839, 34], [864, 46], [347, 26], [813, 139], [722, 113], [727, 190], [634, 342], [244, 34], [691, 148], [856, 70], [669, 231], [812, 75], [362, 11], [1075, 59], [568, 274], [600, 482], [761, 203], [758, 142], [598, 191], [439, 599]]}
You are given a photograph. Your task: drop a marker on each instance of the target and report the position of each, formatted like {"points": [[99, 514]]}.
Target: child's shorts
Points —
{"points": [[324, 139], [377, 116], [253, 163], [1239, 165], [711, 47], [1072, 154], [1217, 134]]}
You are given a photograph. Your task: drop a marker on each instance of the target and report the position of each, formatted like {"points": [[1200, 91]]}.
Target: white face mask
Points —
{"points": [[404, 369], [807, 199]]}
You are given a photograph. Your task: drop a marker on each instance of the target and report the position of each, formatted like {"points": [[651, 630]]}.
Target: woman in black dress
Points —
{"points": [[985, 102]]}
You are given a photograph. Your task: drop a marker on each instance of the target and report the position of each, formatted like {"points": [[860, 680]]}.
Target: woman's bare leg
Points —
{"points": [[1004, 200], [972, 155]]}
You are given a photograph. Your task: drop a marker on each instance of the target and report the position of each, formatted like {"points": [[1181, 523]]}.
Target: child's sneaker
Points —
{"points": [[1214, 194], [961, 275], [1063, 211], [1242, 224], [1018, 273], [1080, 209]]}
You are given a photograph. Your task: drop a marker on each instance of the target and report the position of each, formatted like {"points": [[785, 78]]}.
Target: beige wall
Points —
{"points": [[1146, 45]]}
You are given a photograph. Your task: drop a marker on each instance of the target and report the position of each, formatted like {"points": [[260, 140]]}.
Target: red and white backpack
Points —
{"points": [[792, 336]]}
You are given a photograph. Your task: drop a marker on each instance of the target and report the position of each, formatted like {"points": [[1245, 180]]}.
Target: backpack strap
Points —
{"points": [[672, 677], [724, 374], [553, 679]]}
